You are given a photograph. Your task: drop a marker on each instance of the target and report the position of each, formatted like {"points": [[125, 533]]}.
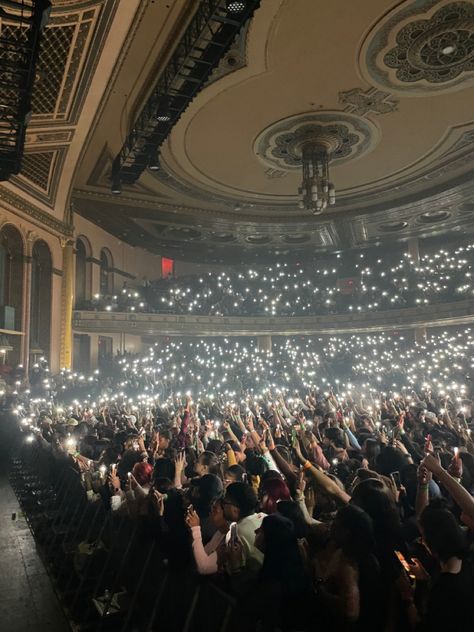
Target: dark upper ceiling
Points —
{"points": [[394, 79]]}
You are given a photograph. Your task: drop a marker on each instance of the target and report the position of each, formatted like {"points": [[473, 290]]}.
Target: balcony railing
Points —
{"points": [[447, 314]]}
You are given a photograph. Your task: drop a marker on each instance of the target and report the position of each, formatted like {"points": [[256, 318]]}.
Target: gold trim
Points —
{"points": [[67, 297], [36, 215]]}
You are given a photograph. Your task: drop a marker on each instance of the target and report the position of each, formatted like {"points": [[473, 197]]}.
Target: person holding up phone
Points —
{"points": [[206, 557]]}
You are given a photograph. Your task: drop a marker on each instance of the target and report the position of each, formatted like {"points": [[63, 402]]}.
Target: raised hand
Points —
{"points": [[249, 424], [432, 463], [114, 479], [180, 461], [424, 475], [455, 467], [301, 483], [192, 518], [160, 502]]}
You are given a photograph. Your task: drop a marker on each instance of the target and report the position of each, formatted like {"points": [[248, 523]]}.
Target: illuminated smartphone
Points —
{"points": [[231, 537], [395, 476], [407, 568]]}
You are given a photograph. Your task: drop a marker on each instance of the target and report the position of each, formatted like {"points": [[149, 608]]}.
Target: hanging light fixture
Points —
{"points": [[235, 6], [163, 114], [317, 192], [116, 187], [154, 162]]}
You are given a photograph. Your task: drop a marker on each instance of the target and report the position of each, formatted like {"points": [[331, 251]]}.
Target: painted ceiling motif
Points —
{"points": [[392, 82]]}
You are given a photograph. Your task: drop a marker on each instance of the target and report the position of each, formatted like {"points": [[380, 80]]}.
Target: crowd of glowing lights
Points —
{"points": [[226, 373], [349, 283]]}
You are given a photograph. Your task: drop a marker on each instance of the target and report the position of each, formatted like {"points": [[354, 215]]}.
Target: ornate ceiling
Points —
{"points": [[72, 43], [391, 82]]}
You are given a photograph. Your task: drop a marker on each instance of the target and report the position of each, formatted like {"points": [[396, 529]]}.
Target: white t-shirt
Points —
{"points": [[246, 533]]}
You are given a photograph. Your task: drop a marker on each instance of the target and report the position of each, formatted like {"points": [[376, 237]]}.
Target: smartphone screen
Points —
{"points": [[403, 561], [395, 476], [231, 537]]}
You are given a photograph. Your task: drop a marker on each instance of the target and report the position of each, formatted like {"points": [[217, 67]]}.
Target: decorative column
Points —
{"points": [[264, 343], [94, 351], [414, 249], [26, 302], [420, 335], [67, 291]]}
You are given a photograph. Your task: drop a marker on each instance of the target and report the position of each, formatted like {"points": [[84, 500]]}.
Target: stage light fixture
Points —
{"points": [[235, 6]]}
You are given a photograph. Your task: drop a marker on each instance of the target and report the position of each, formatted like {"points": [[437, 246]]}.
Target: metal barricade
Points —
{"points": [[109, 568]]}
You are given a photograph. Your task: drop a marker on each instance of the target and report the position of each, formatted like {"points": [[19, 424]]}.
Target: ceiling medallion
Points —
{"points": [[310, 142], [429, 54]]}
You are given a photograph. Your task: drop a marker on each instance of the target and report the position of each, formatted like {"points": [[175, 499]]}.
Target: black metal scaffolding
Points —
{"points": [[206, 40], [21, 25]]}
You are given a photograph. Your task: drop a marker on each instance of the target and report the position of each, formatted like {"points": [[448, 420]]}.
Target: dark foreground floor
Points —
{"points": [[27, 600]]}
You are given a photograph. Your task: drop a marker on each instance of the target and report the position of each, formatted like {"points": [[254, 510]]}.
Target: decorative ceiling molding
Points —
{"points": [[365, 102], [16, 204], [411, 221], [443, 163], [40, 173], [132, 35], [41, 139], [212, 195], [279, 145], [244, 212], [219, 238], [450, 158], [63, 53], [421, 48], [234, 59], [321, 235], [454, 152], [69, 52]]}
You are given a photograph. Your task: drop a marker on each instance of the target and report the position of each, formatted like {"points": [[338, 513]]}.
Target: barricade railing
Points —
{"points": [[109, 570]]}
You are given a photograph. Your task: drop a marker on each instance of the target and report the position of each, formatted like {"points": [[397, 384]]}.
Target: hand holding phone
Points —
{"points": [[395, 476]]}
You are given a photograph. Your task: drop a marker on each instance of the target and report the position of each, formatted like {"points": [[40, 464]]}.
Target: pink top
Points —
{"points": [[206, 556]]}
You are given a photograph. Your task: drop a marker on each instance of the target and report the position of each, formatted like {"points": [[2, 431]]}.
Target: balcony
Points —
{"points": [[145, 324]]}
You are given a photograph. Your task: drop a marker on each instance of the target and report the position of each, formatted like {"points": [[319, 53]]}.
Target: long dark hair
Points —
{"points": [[442, 533], [372, 496], [282, 562]]}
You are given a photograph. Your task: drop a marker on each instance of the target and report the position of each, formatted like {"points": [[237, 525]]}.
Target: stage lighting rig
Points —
{"points": [[22, 23], [209, 35]]}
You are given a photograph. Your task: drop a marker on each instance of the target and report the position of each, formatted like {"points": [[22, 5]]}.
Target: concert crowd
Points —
{"points": [[327, 484], [346, 283]]}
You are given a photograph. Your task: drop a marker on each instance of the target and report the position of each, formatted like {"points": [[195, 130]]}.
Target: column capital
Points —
{"points": [[65, 241]]}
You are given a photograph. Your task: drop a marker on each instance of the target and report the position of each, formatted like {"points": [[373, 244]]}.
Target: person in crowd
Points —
{"points": [[206, 557], [450, 597], [240, 504], [296, 492]]}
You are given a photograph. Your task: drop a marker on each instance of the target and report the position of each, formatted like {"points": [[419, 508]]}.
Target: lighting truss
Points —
{"points": [[206, 40], [21, 25]]}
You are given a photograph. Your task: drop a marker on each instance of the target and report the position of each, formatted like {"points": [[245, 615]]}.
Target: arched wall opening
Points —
{"points": [[106, 272], [41, 295], [12, 262], [83, 279]]}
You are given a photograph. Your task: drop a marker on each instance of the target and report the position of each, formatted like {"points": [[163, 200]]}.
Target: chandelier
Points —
{"points": [[317, 192]]}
